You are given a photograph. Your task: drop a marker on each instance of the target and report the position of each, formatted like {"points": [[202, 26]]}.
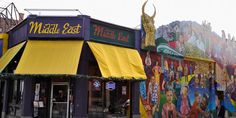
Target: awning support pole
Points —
{"points": [[5, 99], [135, 100], [80, 98], [27, 108]]}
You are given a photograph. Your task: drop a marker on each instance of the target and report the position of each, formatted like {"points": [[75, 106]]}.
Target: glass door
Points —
{"points": [[59, 103]]}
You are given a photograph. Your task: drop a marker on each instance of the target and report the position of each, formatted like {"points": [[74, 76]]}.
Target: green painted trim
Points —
{"points": [[165, 49], [111, 34]]}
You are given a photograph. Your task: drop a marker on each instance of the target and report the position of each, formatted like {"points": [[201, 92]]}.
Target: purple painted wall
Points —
{"points": [[138, 40], [71, 27], [17, 34]]}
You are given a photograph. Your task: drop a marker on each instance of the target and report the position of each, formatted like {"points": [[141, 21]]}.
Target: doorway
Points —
{"points": [[59, 102]]}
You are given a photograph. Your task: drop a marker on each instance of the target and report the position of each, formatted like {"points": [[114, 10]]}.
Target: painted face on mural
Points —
{"points": [[169, 96], [156, 63], [177, 76], [153, 79], [166, 65], [148, 60], [202, 82], [185, 90], [197, 81], [186, 66]]}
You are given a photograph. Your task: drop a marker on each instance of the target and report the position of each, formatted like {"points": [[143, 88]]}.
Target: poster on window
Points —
{"points": [[124, 89], [110, 85], [96, 85]]}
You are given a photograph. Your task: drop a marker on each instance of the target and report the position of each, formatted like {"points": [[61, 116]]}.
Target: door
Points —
{"points": [[59, 103]]}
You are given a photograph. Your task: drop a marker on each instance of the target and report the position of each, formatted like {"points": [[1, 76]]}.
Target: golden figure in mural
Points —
{"points": [[149, 27]]}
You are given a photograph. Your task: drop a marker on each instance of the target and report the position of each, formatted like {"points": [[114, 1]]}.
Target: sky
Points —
{"points": [[220, 13]]}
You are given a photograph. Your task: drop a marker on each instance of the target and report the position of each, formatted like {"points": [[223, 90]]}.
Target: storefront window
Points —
{"points": [[15, 97], [96, 104], [41, 92], [108, 98]]}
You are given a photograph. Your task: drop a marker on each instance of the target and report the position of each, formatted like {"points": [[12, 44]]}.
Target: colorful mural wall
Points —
{"points": [[195, 40], [175, 87], [185, 67]]}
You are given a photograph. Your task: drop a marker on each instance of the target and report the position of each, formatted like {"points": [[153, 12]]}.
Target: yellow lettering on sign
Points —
{"points": [[50, 29], [35, 27], [68, 29], [40, 28]]}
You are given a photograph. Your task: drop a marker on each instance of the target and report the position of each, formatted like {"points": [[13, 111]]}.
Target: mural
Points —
{"points": [[195, 40], [177, 88]]}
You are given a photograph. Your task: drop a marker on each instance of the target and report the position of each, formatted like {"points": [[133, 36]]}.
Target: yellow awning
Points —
{"points": [[117, 61], [4, 37], [9, 55], [50, 57]]}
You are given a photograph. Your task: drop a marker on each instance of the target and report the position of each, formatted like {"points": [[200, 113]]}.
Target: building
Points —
{"points": [[67, 67], [9, 17]]}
